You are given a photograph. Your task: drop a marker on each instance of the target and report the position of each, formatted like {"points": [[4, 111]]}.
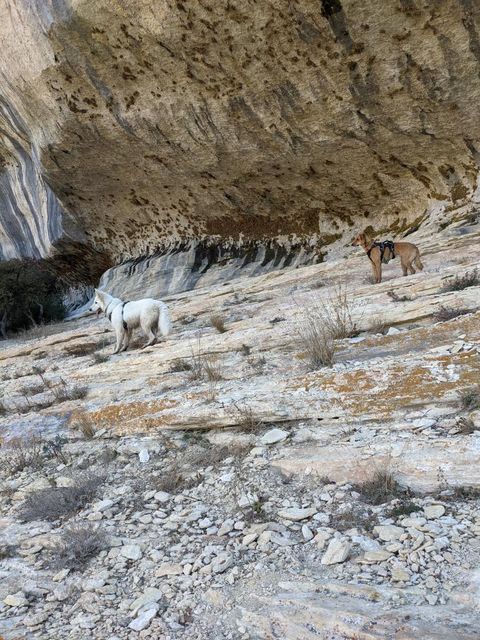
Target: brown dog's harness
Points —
{"points": [[387, 244]]}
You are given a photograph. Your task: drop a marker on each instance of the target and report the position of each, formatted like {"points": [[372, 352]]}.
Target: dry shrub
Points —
{"points": [[382, 487], [180, 365], [448, 313], [59, 502], [218, 322], [466, 426], [214, 455], [183, 473], [258, 363], [470, 399], [22, 453], [204, 366], [396, 298], [98, 358], [379, 325], [337, 313], [77, 545], [465, 493], [60, 389], [64, 392], [211, 368], [7, 551], [245, 417], [354, 517], [458, 283], [32, 390], [176, 478], [329, 320], [403, 507]]}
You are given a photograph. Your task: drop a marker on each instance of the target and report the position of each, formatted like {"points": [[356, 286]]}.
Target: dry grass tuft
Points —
{"points": [[180, 365], [378, 325], [218, 322], [382, 487], [64, 392], [245, 417], [32, 389], [317, 341], [204, 366], [98, 358], [83, 423], [329, 320], [176, 478], [337, 312]]}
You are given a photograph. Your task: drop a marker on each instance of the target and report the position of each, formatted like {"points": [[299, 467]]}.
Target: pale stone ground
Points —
{"points": [[205, 563]]}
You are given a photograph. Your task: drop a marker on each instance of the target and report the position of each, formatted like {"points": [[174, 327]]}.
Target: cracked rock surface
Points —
{"points": [[236, 505]]}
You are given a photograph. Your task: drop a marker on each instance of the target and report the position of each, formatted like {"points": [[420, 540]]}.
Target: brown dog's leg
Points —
{"points": [[377, 271], [404, 268]]}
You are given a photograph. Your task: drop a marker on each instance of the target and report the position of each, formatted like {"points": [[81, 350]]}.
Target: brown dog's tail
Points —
{"points": [[418, 263]]}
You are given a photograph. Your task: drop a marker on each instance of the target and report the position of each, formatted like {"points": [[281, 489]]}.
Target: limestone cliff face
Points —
{"points": [[126, 126]]}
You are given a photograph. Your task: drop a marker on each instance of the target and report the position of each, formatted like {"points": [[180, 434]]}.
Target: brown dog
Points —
{"points": [[379, 252]]}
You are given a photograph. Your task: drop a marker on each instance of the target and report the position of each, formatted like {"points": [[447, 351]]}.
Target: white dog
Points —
{"points": [[149, 314]]}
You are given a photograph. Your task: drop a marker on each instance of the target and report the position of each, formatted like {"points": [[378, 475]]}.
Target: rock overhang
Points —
{"points": [[242, 122]]}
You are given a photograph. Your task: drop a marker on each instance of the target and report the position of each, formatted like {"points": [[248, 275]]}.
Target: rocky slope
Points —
{"points": [[124, 128], [226, 482]]}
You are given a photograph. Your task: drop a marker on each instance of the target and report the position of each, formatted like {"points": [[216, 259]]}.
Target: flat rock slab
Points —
{"points": [[434, 511], [274, 436], [295, 515], [388, 532]]}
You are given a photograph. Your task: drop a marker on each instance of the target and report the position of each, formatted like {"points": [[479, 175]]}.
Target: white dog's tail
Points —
{"points": [[164, 323]]}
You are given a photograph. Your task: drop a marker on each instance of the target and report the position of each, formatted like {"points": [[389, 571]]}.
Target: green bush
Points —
{"points": [[30, 294]]}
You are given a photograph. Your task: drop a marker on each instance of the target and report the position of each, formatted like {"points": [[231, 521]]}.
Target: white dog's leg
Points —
{"points": [[126, 339], [120, 334], [149, 330]]}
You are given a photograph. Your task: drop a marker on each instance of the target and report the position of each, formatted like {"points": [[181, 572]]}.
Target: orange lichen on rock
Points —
{"points": [[133, 416]]}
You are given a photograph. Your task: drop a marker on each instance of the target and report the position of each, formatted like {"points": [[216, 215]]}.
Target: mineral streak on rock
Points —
{"points": [[125, 127]]}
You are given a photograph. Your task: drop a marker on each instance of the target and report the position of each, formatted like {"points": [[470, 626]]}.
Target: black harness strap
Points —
{"points": [[109, 316], [125, 326], [388, 244]]}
